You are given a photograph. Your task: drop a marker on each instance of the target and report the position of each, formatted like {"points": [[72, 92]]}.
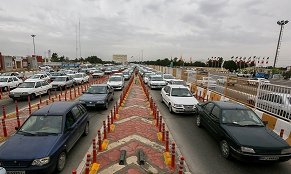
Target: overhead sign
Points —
{"points": [[70, 64]]}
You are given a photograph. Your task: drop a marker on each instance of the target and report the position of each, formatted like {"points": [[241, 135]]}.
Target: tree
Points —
{"points": [[230, 65], [55, 57]]}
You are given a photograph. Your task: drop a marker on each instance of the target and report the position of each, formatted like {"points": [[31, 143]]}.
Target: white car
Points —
{"points": [[98, 73], [19, 75], [255, 81], [156, 82], [116, 82], [81, 78], [30, 88], [38, 77], [179, 99], [179, 82], [62, 82], [9, 81], [168, 77], [146, 77]]}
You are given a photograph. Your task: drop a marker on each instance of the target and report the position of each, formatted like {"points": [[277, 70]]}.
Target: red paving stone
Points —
{"points": [[134, 111]]}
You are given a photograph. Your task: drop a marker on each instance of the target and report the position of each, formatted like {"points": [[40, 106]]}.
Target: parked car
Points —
{"points": [[179, 82], [81, 78], [168, 77], [62, 82], [116, 82], [126, 75], [207, 82], [42, 143], [241, 133], [179, 99], [97, 73], [9, 81], [230, 81], [255, 81], [30, 88], [39, 77], [156, 82], [19, 75], [108, 70], [97, 95], [146, 77]]}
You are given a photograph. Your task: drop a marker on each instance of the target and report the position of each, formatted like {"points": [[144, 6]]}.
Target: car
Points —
{"points": [[118, 74], [7, 82], [2, 170], [97, 95], [62, 82], [19, 75], [207, 82], [54, 75], [178, 82], [241, 133], [45, 137], [256, 80], [38, 76], [146, 76], [179, 99], [108, 70], [81, 78], [97, 73], [126, 75], [30, 88], [44, 67], [116, 82], [168, 77], [156, 82]]}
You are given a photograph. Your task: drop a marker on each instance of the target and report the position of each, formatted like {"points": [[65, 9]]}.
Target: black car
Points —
{"points": [[241, 133], [97, 95]]}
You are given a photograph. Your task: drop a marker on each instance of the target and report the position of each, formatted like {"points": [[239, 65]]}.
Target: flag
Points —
{"points": [[232, 57], [267, 61], [258, 59]]}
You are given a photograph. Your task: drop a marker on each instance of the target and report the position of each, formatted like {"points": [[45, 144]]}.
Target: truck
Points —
{"points": [[262, 75]]}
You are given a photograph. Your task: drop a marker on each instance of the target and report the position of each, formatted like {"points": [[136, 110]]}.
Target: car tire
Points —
{"points": [[32, 96], [86, 130], [225, 150], [198, 121], [61, 162], [170, 109]]}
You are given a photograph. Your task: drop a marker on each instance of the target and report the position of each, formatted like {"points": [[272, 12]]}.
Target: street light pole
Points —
{"points": [[33, 35], [282, 23]]}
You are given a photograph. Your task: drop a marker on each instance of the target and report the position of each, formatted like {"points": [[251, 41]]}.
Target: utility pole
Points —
{"points": [[281, 23]]}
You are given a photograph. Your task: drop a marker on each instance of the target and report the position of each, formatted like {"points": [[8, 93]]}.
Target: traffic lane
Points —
{"points": [[200, 149], [79, 150]]}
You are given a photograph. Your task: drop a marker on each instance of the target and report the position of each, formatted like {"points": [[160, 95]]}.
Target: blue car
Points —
{"points": [[41, 144], [97, 95]]}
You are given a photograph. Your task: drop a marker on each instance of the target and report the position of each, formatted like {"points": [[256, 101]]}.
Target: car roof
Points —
{"points": [[178, 86], [155, 75], [229, 105], [56, 108], [34, 80]]}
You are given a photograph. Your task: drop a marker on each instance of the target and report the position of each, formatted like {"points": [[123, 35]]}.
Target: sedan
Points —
{"points": [[97, 95], [116, 82], [42, 143], [255, 81], [241, 133]]}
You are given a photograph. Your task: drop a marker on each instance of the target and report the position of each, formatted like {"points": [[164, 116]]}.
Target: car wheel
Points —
{"points": [[225, 149], [86, 130], [198, 121], [32, 96], [61, 162], [106, 106], [170, 109]]}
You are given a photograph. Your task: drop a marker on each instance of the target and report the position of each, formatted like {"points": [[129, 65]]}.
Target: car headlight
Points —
{"points": [[41, 161], [247, 149], [81, 101], [178, 106], [285, 151], [100, 101]]}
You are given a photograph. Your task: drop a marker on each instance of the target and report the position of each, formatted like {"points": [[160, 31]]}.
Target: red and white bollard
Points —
{"points": [[40, 101], [60, 98], [163, 133], [94, 151], [88, 162], [78, 89], [46, 102], [282, 133], [17, 113], [104, 130], [181, 166], [38, 107], [112, 116], [4, 113], [49, 92], [99, 142], [160, 124], [74, 172], [173, 166], [29, 105], [61, 90], [4, 127], [116, 107], [167, 141], [70, 93], [114, 111], [158, 118], [108, 123], [56, 96], [75, 91]]}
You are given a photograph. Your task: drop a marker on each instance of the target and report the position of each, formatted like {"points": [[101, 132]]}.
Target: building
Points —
{"points": [[118, 58]]}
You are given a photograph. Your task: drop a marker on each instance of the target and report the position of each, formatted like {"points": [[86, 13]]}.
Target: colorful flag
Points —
{"points": [[267, 61]]}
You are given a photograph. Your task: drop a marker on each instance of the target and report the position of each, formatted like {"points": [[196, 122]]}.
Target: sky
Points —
{"points": [[146, 30]]}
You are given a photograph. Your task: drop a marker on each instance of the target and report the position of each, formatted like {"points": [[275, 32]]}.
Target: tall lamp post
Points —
{"points": [[281, 23], [33, 35]]}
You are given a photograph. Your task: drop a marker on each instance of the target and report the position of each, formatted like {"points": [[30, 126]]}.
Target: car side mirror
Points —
{"points": [[167, 93], [70, 128], [265, 122]]}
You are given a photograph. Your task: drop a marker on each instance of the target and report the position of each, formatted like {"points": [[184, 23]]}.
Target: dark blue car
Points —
{"points": [[41, 144], [97, 95]]}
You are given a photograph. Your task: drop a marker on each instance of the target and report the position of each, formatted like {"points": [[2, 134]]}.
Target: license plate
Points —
{"points": [[16, 95], [90, 104], [15, 172], [269, 158]]}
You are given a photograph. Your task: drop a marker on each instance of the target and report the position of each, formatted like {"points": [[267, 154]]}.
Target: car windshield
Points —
{"points": [[97, 71], [56, 74], [168, 77], [3, 79], [114, 79], [35, 76], [97, 90], [42, 125], [243, 117], [6, 74], [61, 79], [27, 85], [78, 76], [181, 92], [157, 78], [179, 83]]}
